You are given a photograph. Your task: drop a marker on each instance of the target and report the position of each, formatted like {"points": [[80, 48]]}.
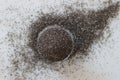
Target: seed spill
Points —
{"points": [[83, 27], [72, 31]]}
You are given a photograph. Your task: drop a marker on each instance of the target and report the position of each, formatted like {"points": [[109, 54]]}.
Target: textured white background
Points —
{"points": [[103, 63]]}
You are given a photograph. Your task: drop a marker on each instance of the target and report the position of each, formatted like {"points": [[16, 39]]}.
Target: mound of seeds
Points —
{"points": [[56, 42]]}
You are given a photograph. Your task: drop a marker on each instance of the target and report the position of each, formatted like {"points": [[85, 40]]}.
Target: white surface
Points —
{"points": [[103, 63]]}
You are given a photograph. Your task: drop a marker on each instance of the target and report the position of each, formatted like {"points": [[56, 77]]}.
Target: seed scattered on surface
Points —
{"points": [[85, 28]]}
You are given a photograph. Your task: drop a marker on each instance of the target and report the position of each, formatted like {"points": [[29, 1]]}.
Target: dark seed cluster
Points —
{"points": [[56, 42], [83, 27]]}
